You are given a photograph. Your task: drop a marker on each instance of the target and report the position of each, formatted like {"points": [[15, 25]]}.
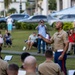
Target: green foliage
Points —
{"points": [[2, 12], [3, 26], [32, 26], [29, 26], [7, 3], [12, 10], [18, 25], [52, 4], [66, 25]]}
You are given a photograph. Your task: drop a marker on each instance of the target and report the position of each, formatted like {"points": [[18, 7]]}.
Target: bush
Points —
{"points": [[32, 26], [66, 25], [3, 25], [28, 26], [17, 25]]}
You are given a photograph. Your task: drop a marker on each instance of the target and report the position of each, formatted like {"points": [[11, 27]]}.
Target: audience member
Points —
{"points": [[74, 73], [1, 43], [31, 40], [71, 37], [23, 56], [48, 46], [8, 40], [49, 67], [3, 67], [41, 30], [12, 69], [4, 37], [30, 65]]}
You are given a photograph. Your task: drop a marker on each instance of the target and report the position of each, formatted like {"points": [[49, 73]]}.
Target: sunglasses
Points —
{"points": [[42, 22]]}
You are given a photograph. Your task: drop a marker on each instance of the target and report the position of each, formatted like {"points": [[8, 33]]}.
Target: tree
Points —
{"points": [[6, 4], [52, 4], [12, 10]]}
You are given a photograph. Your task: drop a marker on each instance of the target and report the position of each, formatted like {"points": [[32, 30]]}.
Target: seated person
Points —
{"points": [[31, 40], [3, 67], [71, 37], [12, 69], [30, 65], [8, 40], [1, 43], [48, 67], [4, 37], [23, 56]]}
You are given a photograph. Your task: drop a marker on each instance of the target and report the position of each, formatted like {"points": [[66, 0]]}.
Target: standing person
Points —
{"points": [[23, 57], [9, 24], [42, 31], [1, 43], [60, 40], [49, 67]]}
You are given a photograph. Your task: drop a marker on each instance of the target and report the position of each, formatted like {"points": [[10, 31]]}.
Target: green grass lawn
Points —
{"points": [[18, 39], [18, 42], [70, 63]]}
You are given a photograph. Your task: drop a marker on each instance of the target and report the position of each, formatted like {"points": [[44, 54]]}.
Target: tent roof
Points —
{"points": [[70, 10]]}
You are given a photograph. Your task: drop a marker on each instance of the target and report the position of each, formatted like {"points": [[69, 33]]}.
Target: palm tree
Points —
{"points": [[6, 4]]}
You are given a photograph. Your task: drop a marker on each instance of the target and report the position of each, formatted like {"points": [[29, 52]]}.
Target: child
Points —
{"points": [[5, 36], [8, 40]]}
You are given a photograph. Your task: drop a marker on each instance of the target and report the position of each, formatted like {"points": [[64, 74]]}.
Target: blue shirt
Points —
{"points": [[42, 30]]}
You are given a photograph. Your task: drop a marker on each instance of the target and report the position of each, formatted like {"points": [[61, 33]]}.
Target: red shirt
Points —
{"points": [[71, 37]]}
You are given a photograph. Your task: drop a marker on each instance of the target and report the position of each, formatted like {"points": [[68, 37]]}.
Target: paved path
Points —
{"points": [[20, 52], [32, 53]]}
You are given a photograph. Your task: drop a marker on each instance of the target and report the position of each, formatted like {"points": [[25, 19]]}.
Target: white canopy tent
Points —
{"points": [[70, 10]]}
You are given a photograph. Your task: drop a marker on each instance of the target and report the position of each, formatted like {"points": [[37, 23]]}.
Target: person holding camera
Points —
{"points": [[42, 31], [71, 37]]}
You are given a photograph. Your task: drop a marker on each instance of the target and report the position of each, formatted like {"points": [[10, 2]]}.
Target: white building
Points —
{"points": [[15, 5], [62, 4]]}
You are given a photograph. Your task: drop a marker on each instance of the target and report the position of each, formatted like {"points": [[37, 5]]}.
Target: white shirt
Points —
{"points": [[1, 40], [9, 21], [32, 38], [47, 36]]}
